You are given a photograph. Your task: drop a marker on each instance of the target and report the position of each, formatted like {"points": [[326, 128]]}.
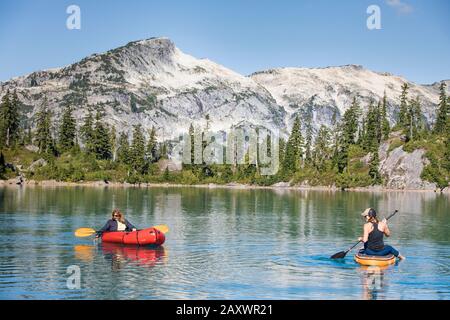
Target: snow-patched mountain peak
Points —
{"points": [[153, 83]]}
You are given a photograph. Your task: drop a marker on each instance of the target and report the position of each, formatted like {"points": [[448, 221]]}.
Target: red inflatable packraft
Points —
{"points": [[150, 236]]}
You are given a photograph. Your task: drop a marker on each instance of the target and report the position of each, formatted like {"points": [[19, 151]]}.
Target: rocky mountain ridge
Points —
{"points": [[153, 83]]}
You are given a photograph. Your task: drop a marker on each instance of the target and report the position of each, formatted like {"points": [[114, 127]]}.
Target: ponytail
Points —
{"points": [[374, 220]]}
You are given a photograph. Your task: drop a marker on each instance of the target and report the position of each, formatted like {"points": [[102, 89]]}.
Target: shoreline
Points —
{"points": [[237, 186]]}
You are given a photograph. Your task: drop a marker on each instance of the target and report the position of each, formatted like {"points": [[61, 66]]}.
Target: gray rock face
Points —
{"points": [[169, 164], [153, 83], [32, 148], [37, 164], [402, 170], [315, 94]]}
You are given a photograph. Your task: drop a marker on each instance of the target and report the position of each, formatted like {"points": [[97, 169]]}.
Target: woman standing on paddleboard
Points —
{"points": [[374, 231], [117, 223]]}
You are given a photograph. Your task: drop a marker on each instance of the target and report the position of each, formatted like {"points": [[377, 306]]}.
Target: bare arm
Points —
{"points": [[386, 230], [367, 229]]}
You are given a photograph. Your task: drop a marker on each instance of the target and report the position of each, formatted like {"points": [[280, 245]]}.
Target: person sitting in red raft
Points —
{"points": [[117, 223]]}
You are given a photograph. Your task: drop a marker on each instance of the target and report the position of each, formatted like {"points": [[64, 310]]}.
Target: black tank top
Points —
{"points": [[375, 240]]}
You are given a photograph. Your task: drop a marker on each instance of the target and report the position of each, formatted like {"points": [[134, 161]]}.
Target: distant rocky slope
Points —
{"points": [[317, 93]]}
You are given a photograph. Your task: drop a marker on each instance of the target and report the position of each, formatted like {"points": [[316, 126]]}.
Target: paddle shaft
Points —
{"points": [[393, 214], [86, 232]]}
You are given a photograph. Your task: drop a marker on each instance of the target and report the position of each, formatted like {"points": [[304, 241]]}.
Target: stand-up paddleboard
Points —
{"points": [[379, 261]]}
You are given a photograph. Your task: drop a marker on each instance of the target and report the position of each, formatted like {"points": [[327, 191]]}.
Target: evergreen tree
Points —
{"points": [[362, 133], [67, 130], [24, 135], [113, 142], [151, 148], [166, 174], [347, 135], [101, 139], [281, 151], [192, 136], [9, 120], [373, 129], [2, 165], [268, 141], [443, 111], [410, 125], [21, 137], [373, 168], [335, 138], [294, 151], [43, 136], [379, 122], [350, 123], [414, 125], [418, 121], [341, 156], [123, 149], [308, 143], [87, 133], [14, 120], [137, 152], [163, 152], [29, 136], [76, 148], [421, 124], [322, 151], [447, 146], [385, 127], [403, 113], [372, 140]]}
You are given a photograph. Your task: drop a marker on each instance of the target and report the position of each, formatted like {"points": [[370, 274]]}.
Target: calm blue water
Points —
{"points": [[223, 244]]}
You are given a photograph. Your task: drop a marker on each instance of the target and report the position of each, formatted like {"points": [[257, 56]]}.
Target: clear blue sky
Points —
{"points": [[245, 35]]}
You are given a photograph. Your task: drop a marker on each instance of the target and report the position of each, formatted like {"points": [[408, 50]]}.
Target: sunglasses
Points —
{"points": [[116, 215]]}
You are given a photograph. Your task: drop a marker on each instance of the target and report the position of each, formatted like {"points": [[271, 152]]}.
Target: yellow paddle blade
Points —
{"points": [[84, 232], [162, 227]]}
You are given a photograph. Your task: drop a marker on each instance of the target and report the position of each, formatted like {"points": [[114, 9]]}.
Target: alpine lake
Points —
{"points": [[223, 243]]}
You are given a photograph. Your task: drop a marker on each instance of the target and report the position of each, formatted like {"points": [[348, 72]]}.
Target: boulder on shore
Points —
{"points": [[169, 164], [281, 185], [37, 164], [402, 170]]}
